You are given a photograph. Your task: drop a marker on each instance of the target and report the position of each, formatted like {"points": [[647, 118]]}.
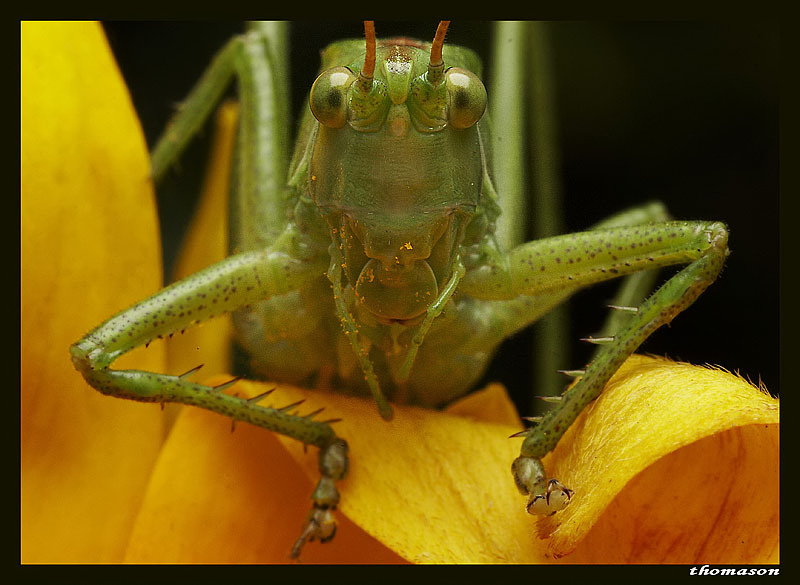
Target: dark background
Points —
{"points": [[684, 112]]}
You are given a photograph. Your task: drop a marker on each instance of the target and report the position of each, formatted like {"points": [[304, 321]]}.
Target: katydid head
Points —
{"points": [[397, 169]]}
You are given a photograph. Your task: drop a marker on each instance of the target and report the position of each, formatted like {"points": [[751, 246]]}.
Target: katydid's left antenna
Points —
{"points": [[436, 65], [365, 75]]}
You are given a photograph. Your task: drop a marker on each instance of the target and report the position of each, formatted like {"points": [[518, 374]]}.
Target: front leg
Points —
{"points": [[230, 284], [567, 263]]}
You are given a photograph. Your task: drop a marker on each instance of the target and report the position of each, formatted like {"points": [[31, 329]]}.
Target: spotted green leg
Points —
{"points": [[567, 263], [274, 259]]}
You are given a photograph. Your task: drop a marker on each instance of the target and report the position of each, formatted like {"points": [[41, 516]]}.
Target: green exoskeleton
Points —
{"points": [[384, 240]]}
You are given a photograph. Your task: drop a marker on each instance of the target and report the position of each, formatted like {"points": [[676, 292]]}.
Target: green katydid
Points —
{"points": [[387, 232]]}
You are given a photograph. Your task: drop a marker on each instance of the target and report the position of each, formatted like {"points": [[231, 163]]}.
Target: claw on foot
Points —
{"points": [[546, 497], [320, 523], [555, 499]]}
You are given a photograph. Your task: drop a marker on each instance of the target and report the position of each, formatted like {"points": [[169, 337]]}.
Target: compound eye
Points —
{"points": [[328, 98], [466, 96]]}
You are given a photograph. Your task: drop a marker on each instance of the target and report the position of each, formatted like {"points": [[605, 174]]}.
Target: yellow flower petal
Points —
{"points": [[437, 488], [432, 486], [673, 463], [491, 404], [89, 247], [218, 496]]}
